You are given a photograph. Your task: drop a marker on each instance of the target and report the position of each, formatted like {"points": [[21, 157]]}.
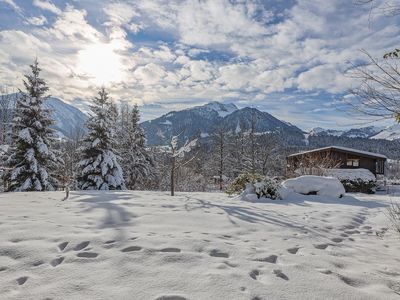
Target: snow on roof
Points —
{"points": [[351, 174], [342, 149]]}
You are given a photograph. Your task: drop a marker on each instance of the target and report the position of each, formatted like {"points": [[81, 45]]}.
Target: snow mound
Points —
{"points": [[351, 174], [309, 184]]}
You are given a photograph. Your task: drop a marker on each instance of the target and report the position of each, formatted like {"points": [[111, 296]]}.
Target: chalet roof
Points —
{"points": [[342, 149]]}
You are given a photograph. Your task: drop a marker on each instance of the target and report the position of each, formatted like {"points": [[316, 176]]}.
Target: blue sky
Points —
{"points": [[289, 58]]}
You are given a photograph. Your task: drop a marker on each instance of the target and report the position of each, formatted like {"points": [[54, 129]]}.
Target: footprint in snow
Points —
{"points": [[131, 249], [109, 242], [229, 264], [321, 246], [217, 253], [171, 297], [62, 246], [280, 274], [337, 240], [325, 271], [270, 259], [254, 273], [226, 236], [350, 281], [22, 280], [81, 246], [87, 254], [352, 231], [37, 263], [170, 250], [55, 262], [293, 250]]}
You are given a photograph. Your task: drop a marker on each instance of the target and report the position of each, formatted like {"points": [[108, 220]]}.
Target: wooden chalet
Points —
{"points": [[341, 157]]}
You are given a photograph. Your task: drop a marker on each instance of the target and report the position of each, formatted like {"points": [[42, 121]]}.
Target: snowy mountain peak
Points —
{"points": [[222, 109], [321, 131], [364, 132], [390, 133], [201, 121]]}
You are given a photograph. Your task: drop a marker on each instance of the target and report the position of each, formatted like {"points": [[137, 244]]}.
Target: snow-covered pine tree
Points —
{"points": [[32, 162], [99, 167], [137, 164]]}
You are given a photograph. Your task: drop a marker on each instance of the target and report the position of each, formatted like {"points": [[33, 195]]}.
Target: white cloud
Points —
{"points": [[47, 5], [323, 77], [13, 5], [150, 74], [121, 15], [36, 21], [236, 76], [72, 25], [216, 22], [197, 49]]}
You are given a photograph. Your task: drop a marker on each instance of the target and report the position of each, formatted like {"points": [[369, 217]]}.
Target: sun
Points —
{"points": [[101, 64]]}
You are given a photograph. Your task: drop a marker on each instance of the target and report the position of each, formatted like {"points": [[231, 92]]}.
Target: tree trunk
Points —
{"points": [[173, 177], [221, 160]]}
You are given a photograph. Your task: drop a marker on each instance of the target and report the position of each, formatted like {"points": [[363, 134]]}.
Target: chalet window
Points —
{"points": [[380, 167], [353, 162]]}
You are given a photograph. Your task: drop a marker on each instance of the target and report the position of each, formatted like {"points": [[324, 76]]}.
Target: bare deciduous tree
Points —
{"points": [[393, 214], [6, 107], [379, 90], [389, 8], [219, 140], [378, 94], [177, 158], [312, 164], [69, 167]]}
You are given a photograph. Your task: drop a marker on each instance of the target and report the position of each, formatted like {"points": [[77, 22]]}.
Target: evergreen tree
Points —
{"points": [[99, 167], [138, 165], [32, 161]]}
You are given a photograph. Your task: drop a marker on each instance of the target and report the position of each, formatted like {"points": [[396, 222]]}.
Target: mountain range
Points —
{"points": [[202, 121], [389, 133], [67, 118]]}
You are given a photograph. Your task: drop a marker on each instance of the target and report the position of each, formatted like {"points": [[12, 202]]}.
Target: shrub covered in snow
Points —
{"points": [[238, 185], [267, 188], [359, 185], [312, 185], [254, 187], [355, 180]]}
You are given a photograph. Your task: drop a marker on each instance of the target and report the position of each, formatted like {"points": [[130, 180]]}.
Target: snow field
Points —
{"points": [[148, 245]]}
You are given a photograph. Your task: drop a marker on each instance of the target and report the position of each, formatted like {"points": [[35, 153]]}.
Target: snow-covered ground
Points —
{"points": [[148, 245]]}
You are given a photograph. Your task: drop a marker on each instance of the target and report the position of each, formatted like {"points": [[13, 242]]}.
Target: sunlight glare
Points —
{"points": [[101, 63]]}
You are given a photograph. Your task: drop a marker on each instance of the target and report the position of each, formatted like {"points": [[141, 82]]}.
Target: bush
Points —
{"points": [[394, 216], [268, 188], [359, 185], [254, 184], [238, 185]]}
